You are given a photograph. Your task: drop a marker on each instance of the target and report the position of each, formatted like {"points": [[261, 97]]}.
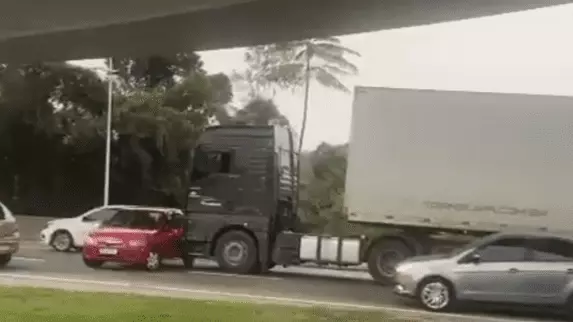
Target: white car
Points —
{"points": [[68, 233]]}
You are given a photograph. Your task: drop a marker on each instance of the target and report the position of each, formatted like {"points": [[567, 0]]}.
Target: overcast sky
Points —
{"points": [[527, 52]]}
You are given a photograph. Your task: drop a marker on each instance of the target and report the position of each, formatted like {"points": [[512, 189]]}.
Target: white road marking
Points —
{"points": [[235, 275], [279, 300], [28, 259], [65, 279]]}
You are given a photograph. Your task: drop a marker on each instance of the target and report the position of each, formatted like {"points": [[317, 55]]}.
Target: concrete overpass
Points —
{"points": [[74, 29]]}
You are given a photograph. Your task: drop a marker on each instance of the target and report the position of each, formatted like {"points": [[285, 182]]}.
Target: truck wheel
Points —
{"points": [[383, 258], [236, 252]]}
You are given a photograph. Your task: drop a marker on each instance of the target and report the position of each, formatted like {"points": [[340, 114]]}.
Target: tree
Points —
{"points": [[259, 77], [295, 64], [157, 71], [43, 105], [52, 130], [260, 111], [322, 189]]}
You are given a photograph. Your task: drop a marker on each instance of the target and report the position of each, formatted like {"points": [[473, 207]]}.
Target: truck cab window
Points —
{"points": [[211, 162], [225, 163]]}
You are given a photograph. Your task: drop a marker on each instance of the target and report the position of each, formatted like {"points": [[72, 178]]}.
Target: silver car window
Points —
{"points": [[504, 250], [551, 250], [102, 215]]}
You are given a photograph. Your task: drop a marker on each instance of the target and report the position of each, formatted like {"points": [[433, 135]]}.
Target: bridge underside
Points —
{"points": [[42, 31]]}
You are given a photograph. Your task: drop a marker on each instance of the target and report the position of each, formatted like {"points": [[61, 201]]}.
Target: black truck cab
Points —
{"points": [[242, 195]]}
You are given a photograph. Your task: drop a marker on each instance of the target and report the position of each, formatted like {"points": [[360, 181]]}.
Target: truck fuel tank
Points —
{"points": [[293, 248]]}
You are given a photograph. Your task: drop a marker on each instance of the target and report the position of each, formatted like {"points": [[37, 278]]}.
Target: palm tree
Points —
{"points": [[299, 62]]}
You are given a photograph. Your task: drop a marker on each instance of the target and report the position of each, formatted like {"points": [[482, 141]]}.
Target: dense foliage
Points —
{"points": [[53, 116]]}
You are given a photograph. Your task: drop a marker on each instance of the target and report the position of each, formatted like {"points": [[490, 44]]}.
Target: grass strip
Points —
{"points": [[28, 304]]}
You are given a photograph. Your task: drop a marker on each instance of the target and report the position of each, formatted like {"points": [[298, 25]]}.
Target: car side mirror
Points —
{"points": [[474, 258], [88, 219]]}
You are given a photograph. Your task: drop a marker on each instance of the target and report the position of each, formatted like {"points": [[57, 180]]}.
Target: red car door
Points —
{"points": [[167, 239]]}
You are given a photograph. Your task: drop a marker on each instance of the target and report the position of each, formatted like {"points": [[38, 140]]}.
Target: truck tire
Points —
{"points": [[237, 252], [383, 258]]}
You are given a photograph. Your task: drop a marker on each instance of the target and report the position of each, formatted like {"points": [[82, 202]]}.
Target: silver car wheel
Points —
{"points": [[62, 242], [153, 261], [435, 295]]}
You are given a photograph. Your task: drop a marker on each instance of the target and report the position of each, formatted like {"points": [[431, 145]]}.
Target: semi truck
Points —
{"points": [[433, 169]]}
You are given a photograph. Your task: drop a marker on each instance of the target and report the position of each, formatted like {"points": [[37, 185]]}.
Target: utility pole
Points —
{"points": [[110, 73]]}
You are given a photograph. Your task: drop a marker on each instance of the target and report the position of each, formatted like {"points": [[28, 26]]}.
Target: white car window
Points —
{"points": [[102, 215], [122, 218], [5, 213]]}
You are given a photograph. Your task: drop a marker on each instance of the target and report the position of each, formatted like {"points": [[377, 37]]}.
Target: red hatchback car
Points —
{"points": [[135, 235]]}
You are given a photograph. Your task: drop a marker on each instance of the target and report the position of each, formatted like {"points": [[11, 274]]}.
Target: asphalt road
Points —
{"points": [[39, 264], [35, 262]]}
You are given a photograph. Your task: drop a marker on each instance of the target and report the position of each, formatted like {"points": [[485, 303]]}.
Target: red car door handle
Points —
{"points": [[513, 270]]}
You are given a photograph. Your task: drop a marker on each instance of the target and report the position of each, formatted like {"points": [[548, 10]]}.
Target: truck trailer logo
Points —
{"points": [[503, 210]]}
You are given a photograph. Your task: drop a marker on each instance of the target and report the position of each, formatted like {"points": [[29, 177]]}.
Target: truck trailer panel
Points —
{"points": [[460, 160]]}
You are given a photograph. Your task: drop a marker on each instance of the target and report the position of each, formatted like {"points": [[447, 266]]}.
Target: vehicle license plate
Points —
{"points": [[108, 251]]}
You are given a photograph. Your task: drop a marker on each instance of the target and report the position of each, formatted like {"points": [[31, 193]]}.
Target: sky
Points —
{"points": [[527, 52]]}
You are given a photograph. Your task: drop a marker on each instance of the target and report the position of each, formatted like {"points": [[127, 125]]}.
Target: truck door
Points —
{"points": [[214, 185]]}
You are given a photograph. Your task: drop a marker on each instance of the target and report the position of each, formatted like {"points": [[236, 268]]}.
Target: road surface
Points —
{"points": [[38, 265]]}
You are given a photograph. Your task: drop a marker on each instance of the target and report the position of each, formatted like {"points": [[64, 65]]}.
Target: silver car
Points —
{"points": [[9, 235], [504, 268]]}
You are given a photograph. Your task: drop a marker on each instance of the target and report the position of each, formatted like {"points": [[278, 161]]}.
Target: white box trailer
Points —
{"points": [[461, 161], [430, 162]]}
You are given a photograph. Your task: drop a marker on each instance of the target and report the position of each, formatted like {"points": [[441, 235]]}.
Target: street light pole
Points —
{"points": [[108, 133]]}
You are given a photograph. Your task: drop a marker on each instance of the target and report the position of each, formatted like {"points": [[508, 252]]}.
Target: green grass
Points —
{"points": [[24, 304]]}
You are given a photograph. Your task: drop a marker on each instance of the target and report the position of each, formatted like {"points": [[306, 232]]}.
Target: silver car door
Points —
{"points": [[547, 272], [491, 279]]}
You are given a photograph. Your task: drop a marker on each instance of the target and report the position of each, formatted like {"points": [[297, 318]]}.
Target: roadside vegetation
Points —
{"points": [[49, 305]]}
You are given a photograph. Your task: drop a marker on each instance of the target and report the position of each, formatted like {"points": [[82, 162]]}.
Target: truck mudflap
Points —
{"points": [[293, 248]]}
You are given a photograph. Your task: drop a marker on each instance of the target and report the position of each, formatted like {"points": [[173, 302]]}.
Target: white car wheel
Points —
{"points": [[153, 261], [436, 295], [62, 241]]}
